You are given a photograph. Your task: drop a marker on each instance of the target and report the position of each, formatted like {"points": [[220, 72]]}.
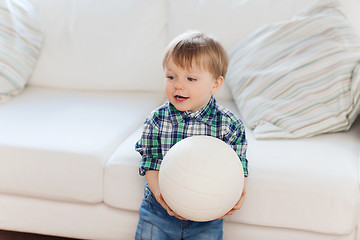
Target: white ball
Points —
{"points": [[201, 178]]}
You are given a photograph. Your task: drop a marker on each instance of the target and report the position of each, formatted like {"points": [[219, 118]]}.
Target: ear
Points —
{"points": [[217, 84]]}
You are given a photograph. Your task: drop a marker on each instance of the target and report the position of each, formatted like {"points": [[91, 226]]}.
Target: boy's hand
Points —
{"points": [[168, 209], [238, 204], [152, 178]]}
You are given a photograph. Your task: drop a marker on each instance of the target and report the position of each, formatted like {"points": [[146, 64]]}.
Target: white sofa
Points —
{"points": [[67, 160]]}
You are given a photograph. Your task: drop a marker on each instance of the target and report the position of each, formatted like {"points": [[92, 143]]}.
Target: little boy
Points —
{"points": [[195, 66]]}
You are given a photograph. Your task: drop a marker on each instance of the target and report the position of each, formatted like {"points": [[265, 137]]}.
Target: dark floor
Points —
{"points": [[7, 235]]}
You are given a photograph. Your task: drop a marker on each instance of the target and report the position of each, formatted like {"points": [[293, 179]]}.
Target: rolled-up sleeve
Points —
{"points": [[149, 147], [237, 139]]}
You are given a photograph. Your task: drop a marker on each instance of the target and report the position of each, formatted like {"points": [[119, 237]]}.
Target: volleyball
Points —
{"points": [[201, 178]]}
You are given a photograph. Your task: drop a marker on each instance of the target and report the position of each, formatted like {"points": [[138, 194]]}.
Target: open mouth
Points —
{"points": [[180, 98]]}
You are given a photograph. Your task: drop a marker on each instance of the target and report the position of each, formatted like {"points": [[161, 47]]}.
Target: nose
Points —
{"points": [[178, 85]]}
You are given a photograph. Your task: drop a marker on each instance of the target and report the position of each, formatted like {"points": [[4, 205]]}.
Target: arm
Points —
{"points": [[149, 147], [238, 142]]}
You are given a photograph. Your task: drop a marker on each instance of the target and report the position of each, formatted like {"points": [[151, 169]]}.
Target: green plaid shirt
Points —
{"points": [[166, 126]]}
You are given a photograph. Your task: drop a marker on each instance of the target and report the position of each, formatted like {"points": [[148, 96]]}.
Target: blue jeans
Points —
{"points": [[156, 224]]}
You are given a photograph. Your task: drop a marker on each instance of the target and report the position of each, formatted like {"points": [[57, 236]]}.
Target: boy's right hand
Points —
{"points": [[162, 202], [152, 178]]}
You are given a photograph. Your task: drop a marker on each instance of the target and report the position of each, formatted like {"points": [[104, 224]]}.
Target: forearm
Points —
{"points": [[152, 178]]}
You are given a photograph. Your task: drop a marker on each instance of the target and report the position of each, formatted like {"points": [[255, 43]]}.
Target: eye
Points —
{"points": [[170, 77], [191, 79]]}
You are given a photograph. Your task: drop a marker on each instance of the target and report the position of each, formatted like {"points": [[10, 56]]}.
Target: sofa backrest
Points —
{"points": [[102, 45], [118, 44]]}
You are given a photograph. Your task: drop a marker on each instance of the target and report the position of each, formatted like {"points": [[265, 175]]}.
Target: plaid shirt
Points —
{"points": [[167, 126]]}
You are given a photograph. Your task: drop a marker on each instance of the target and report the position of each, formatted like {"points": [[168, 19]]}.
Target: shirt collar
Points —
{"points": [[206, 114]]}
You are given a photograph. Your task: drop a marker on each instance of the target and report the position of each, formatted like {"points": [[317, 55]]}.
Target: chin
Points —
{"points": [[181, 109]]}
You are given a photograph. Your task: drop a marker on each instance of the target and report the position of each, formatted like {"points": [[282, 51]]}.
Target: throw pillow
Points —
{"points": [[21, 38], [298, 78]]}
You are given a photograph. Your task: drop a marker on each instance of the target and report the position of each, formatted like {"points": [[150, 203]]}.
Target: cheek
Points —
{"points": [[166, 84], [168, 88], [204, 89]]}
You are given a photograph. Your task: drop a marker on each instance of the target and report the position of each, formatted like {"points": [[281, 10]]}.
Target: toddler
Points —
{"points": [[195, 66]]}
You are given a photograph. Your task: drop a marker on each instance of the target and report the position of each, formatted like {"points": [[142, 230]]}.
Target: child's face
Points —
{"points": [[190, 89]]}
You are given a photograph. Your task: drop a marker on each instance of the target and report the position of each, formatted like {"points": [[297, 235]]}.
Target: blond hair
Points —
{"points": [[197, 48]]}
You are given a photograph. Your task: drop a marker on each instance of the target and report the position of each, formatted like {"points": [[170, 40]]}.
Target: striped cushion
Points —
{"points": [[298, 78], [20, 42]]}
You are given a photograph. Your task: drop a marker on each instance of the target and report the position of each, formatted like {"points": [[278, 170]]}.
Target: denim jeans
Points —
{"points": [[156, 224]]}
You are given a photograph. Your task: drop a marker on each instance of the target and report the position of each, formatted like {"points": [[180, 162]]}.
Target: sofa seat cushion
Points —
{"points": [[123, 186], [54, 143], [309, 184]]}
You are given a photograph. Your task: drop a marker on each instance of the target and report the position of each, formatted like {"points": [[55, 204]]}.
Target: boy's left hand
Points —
{"points": [[238, 204]]}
